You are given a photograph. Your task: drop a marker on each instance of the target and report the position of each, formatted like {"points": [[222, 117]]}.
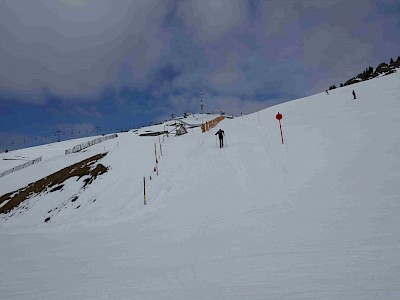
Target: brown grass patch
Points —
{"points": [[55, 182]]}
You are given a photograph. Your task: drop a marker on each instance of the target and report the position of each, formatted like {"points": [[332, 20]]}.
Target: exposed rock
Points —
{"points": [[55, 182], [382, 68], [370, 73], [57, 188]]}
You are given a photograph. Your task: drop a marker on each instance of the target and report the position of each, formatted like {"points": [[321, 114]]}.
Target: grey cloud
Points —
{"points": [[328, 45], [233, 105], [75, 127], [235, 50], [210, 20], [295, 47], [274, 17], [320, 4], [76, 47], [90, 111], [229, 74]]}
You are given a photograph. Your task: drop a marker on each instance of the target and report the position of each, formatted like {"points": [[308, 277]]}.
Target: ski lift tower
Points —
{"points": [[201, 103]]}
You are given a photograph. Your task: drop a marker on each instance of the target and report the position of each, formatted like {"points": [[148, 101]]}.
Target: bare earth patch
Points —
{"points": [[54, 182]]}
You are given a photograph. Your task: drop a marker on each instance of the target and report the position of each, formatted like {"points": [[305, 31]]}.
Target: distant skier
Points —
{"points": [[327, 92], [221, 134], [354, 95]]}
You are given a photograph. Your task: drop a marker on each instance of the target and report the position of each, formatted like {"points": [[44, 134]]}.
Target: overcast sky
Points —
{"points": [[78, 64]]}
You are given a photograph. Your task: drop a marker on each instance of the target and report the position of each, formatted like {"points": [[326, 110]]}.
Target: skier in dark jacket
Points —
{"points": [[354, 94], [221, 134]]}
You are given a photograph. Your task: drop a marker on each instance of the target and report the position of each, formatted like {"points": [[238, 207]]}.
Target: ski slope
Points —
{"points": [[314, 218]]}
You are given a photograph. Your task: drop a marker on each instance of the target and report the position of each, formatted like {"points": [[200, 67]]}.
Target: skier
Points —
{"points": [[354, 94], [327, 92], [221, 134]]}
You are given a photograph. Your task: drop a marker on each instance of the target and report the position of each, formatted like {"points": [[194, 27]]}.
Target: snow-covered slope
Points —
{"points": [[315, 218]]}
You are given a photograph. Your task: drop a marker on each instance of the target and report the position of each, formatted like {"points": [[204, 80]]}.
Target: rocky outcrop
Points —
{"points": [[88, 168], [382, 70]]}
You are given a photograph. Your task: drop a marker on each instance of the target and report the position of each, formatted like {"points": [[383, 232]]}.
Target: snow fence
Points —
{"points": [[23, 166], [84, 145], [211, 124]]}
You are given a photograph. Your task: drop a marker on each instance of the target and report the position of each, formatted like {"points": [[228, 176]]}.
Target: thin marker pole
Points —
{"points": [[279, 117], [163, 135], [144, 190], [159, 141], [155, 152], [280, 126]]}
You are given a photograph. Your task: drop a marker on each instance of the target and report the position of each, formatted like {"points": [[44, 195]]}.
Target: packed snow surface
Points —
{"points": [[317, 217]]}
